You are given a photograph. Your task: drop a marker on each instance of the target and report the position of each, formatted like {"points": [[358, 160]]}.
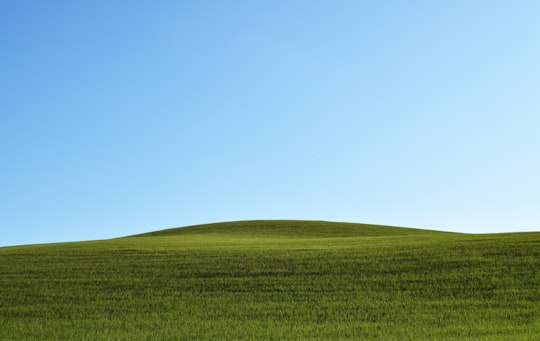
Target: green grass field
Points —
{"points": [[275, 280]]}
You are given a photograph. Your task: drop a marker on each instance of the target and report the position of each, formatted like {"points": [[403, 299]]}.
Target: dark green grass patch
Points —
{"points": [[277, 281]]}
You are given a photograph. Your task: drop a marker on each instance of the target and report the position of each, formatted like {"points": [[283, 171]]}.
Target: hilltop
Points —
{"points": [[289, 228]]}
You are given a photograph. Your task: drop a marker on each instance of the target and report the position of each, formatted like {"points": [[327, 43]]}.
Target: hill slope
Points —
{"points": [[275, 280]]}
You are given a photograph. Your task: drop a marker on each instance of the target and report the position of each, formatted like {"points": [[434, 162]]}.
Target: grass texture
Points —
{"points": [[275, 280]]}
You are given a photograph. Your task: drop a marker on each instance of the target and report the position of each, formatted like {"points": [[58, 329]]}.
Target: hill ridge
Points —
{"points": [[315, 228]]}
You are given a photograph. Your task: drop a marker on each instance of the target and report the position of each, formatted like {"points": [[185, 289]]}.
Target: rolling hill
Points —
{"points": [[275, 280]]}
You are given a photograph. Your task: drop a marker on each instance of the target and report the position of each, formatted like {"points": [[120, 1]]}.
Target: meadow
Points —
{"points": [[275, 280]]}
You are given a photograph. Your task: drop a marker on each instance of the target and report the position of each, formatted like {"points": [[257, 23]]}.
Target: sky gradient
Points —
{"points": [[121, 117]]}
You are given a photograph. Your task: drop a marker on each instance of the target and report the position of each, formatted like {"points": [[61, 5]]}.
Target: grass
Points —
{"points": [[275, 280]]}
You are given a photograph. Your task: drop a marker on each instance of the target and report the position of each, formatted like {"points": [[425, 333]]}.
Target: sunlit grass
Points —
{"points": [[275, 280]]}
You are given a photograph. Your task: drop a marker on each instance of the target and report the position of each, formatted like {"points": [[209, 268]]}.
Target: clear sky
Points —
{"points": [[120, 117]]}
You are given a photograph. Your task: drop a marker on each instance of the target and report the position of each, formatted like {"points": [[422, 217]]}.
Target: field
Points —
{"points": [[275, 280]]}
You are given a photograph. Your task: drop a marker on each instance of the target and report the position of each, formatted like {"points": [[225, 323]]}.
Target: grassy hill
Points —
{"points": [[275, 280]]}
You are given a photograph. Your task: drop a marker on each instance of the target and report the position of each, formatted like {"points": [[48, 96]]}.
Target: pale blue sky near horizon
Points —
{"points": [[122, 117]]}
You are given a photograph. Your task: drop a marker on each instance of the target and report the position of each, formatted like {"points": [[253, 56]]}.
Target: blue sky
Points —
{"points": [[120, 117]]}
